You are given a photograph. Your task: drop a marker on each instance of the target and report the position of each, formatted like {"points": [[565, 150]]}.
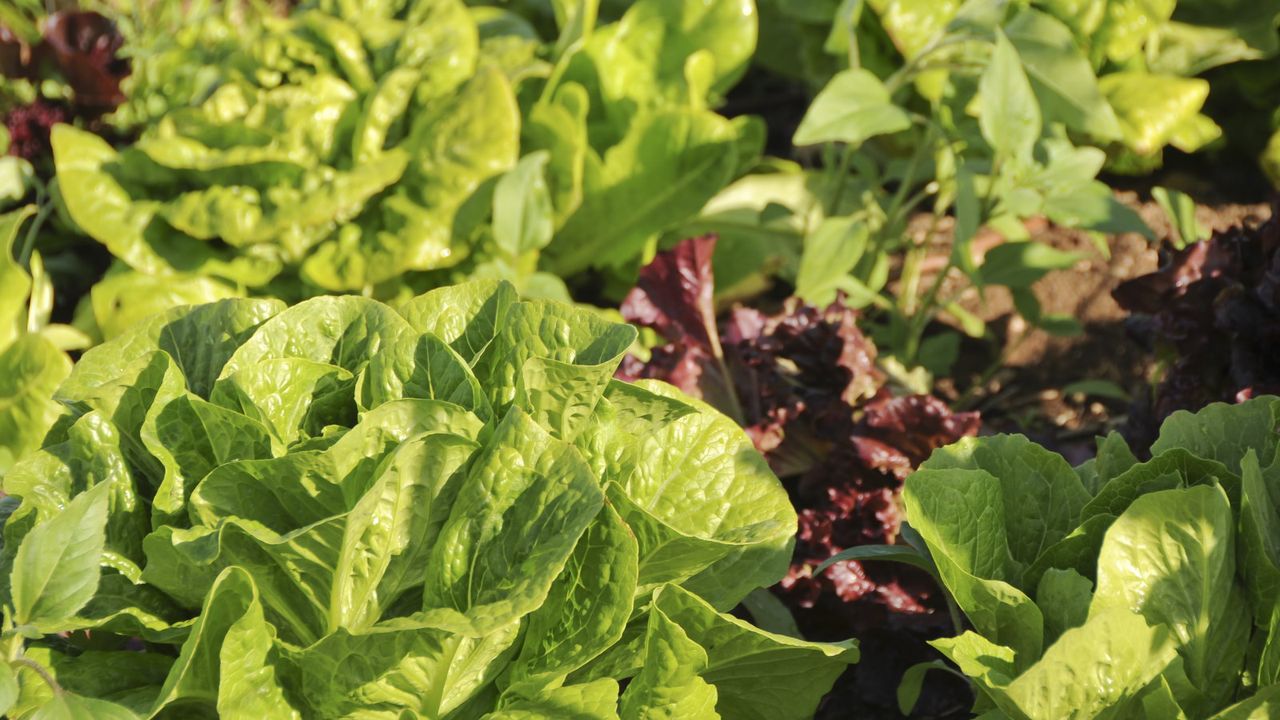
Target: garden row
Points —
{"points": [[421, 358]]}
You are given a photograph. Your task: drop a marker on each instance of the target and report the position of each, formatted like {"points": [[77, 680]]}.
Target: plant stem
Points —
{"points": [[43, 208], [919, 321], [838, 181], [905, 73], [15, 647], [40, 670]]}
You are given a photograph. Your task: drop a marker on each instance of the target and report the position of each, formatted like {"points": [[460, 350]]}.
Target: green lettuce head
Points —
{"points": [[448, 509], [332, 152]]}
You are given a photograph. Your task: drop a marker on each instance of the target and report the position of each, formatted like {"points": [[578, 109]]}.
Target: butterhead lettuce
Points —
{"points": [[448, 509]]}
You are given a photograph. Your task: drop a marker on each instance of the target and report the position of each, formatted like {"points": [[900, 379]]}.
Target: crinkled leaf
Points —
{"points": [[588, 608], [512, 528], [670, 685], [466, 316], [1042, 497]]}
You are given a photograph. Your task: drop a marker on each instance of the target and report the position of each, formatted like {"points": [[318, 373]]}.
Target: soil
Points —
{"points": [[1017, 380]]}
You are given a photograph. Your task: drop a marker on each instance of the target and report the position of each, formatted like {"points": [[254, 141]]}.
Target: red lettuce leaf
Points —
{"points": [[1212, 314], [804, 385]]}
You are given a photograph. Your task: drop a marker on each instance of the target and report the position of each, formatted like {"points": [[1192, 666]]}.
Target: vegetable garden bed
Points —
{"points": [[605, 360]]}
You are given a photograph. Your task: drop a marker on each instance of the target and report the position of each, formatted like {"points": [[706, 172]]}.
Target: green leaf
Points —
{"points": [[1153, 108], [16, 280], [1047, 495], [1061, 76], [554, 361], [226, 655], [73, 707], [590, 604], [381, 109], [459, 144], [961, 515], [669, 164], [346, 332], [198, 339], [283, 493], [1264, 704], [830, 253], [8, 688], [853, 107], [1093, 206], [1171, 557], [511, 530], [597, 700], [1114, 456], [391, 530], [1019, 264], [645, 56], [911, 24], [123, 299], [1097, 668], [1172, 468], [191, 437], [291, 397], [1269, 658], [1010, 116], [56, 569], [704, 506], [1224, 432], [30, 371], [670, 684], [466, 316], [101, 206], [358, 452], [91, 455], [889, 553], [395, 668], [1077, 551], [427, 368], [1260, 543], [1063, 597], [770, 614], [522, 213], [912, 681], [988, 665], [1180, 209], [798, 673]]}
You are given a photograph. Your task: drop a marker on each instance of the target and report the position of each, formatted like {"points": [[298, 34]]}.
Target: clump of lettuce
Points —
{"points": [[386, 148], [331, 153], [444, 510], [1118, 588]]}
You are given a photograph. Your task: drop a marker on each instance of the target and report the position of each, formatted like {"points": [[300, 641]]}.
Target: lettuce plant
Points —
{"points": [[1118, 588], [1142, 58], [979, 129], [444, 510], [373, 147], [1212, 315], [339, 148]]}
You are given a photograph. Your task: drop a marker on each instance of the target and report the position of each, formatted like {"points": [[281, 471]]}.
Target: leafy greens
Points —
{"points": [[1118, 588], [444, 510]]}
